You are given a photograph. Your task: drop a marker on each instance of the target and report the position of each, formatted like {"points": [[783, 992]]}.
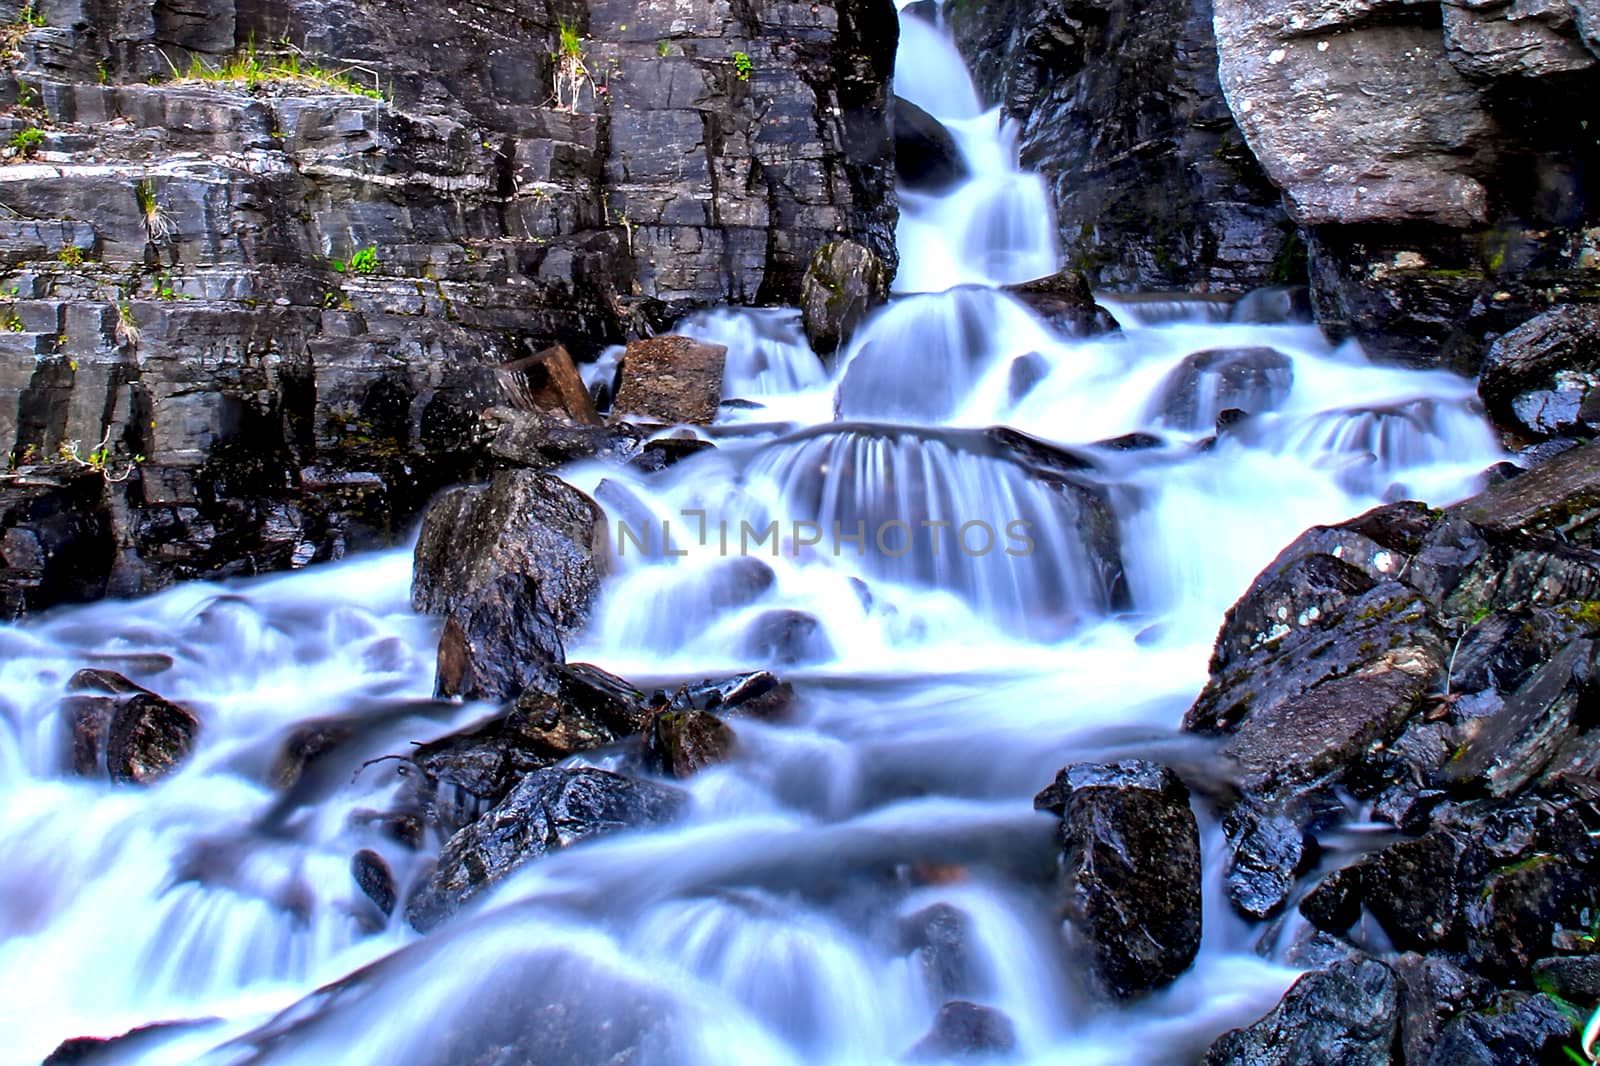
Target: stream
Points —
{"points": [[946, 671]]}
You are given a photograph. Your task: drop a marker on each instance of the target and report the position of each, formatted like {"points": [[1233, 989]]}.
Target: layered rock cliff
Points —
{"points": [[1440, 156], [259, 260]]}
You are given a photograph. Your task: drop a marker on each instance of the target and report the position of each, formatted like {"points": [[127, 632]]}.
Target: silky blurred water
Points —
{"points": [[940, 689]]}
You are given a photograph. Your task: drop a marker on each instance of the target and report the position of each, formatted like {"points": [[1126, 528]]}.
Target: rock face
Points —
{"points": [[1434, 153], [1131, 855], [289, 298], [1438, 666], [514, 567], [1121, 112], [548, 810]]}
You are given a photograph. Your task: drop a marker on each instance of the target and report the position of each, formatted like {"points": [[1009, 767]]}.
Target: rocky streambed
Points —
{"points": [[680, 710]]}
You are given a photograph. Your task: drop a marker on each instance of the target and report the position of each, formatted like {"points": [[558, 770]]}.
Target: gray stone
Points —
{"points": [[1345, 1015]]}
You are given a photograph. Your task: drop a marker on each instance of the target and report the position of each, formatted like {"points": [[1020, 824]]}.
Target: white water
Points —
{"points": [[940, 692]]}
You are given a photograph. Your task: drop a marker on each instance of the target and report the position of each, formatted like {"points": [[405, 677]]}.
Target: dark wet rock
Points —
{"points": [[306, 744], [1574, 978], [1267, 851], [464, 774], [107, 1051], [514, 567], [682, 743], [1432, 991], [550, 809], [926, 157], [1346, 1015], [1494, 881], [1515, 1030], [844, 283], [1131, 858], [965, 1030], [1066, 302], [672, 379], [148, 738], [1132, 442], [939, 937], [1442, 666], [1543, 378], [1121, 111], [124, 730], [374, 878], [543, 441], [787, 638], [1208, 383]]}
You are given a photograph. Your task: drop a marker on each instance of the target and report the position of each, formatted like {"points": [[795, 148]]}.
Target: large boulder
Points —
{"points": [[672, 379], [844, 283], [926, 156], [1130, 851], [514, 567], [549, 810], [1346, 1015], [1387, 126]]}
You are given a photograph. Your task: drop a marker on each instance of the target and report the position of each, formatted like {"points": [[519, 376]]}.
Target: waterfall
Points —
{"points": [[966, 575]]}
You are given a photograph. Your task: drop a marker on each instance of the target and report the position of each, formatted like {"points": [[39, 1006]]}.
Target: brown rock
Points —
{"points": [[548, 381], [672, 379]]}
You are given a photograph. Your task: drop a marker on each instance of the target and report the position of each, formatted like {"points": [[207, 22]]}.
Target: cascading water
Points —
{"points": [[944, 680]]}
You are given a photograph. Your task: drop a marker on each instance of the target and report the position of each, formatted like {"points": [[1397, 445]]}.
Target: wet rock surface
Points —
{"points": [[1434, 220], [514, 567], [1346, 1015], [548, 810], [964, 1030], [1542, 379], [288, 353], [671, 379], [1131, 859], [1440, 665], [124, 731], [844, 283]]}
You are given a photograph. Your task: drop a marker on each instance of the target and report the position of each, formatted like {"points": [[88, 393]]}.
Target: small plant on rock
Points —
{"points": [[663, 49], [71, 256], [30, 16], [365, 261], [99, 459], [570, 71], [127, 331], [10, 322], [26, 142], [742, 66], [152, 212]]}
